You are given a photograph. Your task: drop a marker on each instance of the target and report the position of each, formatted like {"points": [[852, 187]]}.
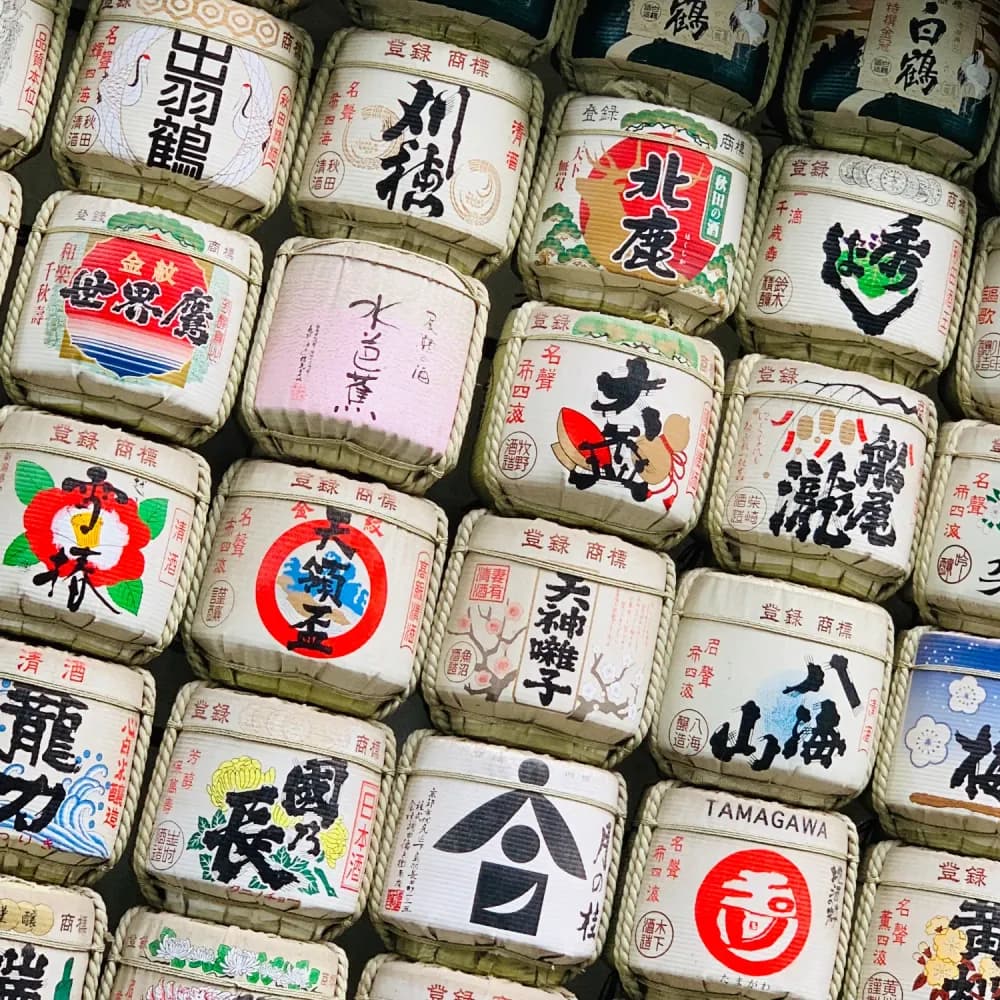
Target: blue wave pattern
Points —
{"points": [[951, 649]]}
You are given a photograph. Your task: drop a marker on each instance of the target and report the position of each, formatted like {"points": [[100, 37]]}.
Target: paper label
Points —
{"points": [[710, 27], [25, 37]]}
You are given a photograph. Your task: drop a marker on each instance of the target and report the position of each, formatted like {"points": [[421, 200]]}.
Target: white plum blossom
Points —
{"points": [[927, 742], [240, 963], [967, 695]]}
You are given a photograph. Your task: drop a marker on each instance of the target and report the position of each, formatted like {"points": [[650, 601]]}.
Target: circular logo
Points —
{"points": [[747, 507], [654, 934], [753, 912], [954, 564], [882, 986], [775, 291], [326, 175], [321, 589], [986, 356], [218, 604], [688, 732], [167, 846], [518, 455]]}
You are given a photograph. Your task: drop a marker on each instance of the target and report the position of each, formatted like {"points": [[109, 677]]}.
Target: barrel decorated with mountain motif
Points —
{"points": [[498, 861], [129, 314], [161, 956], [823, 476], [316, 587], [519, 31], [51, 941], [723, 891], [641, 211], [189, 105], [859, 264], [719, 58], [313, 779], [914, 81]]}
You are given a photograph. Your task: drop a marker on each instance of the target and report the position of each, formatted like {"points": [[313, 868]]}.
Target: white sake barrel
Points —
{"points": [[923, 926], [387, 977], [133, 315], [956, 582], [73, 744], [418, 144], [600, 422], [935, 782], [859, 264], [724, 891], [498, 861], [549, 638], [51, 941], [520, 31], [365, 359], [160, 956], [906, 80], [316, 587], [100, 531], [263, 813], [193, 106], [713, 58], [822, 476], [802, 723], [641, 211], [31, 40]]}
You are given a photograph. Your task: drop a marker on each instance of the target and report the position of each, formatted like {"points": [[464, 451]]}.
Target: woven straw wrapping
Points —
{"points": [[671, 85], [871, 136], [689, 369], [632, 902], [486, 957], [39, 442], [14, 153], [593, 728], [311, 433], [457, 24], [283, 915], [130, 963], [87, 934], [814, 324], [687, 305], [188, 414], [810, 563], [291, 679], [237, 191], [458, 238], [705, 615], [10, 220]]}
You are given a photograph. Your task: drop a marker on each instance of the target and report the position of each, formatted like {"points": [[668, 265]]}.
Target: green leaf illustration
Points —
{"points": [[29, 480], [195, 842], [19, 553], [153, 513], [202, 824], [206, 867], [219, 818], [127, 595]]}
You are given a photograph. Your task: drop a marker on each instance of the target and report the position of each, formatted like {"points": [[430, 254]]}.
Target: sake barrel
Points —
{"points": [[419, 144], [99, 530], [191, 105], [387, 977], [550, 638], [133, 315], [971, 381], [923, 925], [365, 359], [161, 956], [955, 582], [859, 264], [263, 813], [707, 870], [713, 58], [519, 31], [600, 422], [31, 39], [934, 782], [74, 742], [640, 211], [336, 602], [463, 877], [822, 477], [10, 220], [802, 725], [905, 80], [51, 941]]}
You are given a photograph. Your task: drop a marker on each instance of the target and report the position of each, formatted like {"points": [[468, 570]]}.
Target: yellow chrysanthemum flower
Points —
{"points": [[334, 842], [950, 945], [240, 774], [938, 970], [281, 817]]}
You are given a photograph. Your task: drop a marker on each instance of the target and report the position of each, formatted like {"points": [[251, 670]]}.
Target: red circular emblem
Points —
{"points": [[753, 912], [321, 589]]}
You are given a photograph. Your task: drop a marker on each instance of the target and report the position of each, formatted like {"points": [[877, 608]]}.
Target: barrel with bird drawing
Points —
{"points": [[191, 106]]}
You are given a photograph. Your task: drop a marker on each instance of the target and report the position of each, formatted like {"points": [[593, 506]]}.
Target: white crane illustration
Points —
{"points": [[747, 18], [251, 124], [974, 74]]}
